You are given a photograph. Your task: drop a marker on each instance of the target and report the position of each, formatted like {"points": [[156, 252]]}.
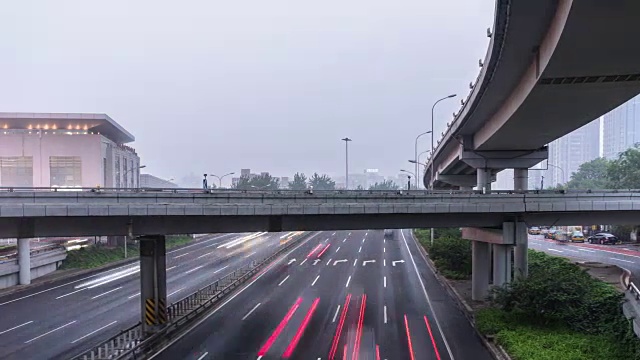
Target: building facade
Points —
{"points": [[621, 128], [66, 151]]}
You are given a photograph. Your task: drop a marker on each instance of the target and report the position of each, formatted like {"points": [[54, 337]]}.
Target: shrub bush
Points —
{"points": [[449, 252]]}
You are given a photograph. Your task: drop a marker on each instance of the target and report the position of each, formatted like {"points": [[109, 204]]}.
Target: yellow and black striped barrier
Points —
{"points": [[162, 311], [150, 312]]}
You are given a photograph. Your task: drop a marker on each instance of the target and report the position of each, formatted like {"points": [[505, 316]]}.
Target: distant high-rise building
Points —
{"points": [[567, 153], [245, 172], [621, 128]]}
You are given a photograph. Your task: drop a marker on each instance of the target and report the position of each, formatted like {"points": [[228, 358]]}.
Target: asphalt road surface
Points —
{"points": [[626, 256], [338, 295], [59, 320]]}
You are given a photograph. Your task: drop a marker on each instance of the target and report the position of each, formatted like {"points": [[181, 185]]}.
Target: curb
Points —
{"points": [[496, 350], [16, 289]]}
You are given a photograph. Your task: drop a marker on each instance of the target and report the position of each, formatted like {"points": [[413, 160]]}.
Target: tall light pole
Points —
{"points": [[132, 169], [433, 148], [220, 178], [564, 180], [415, 158], [346, 161]]}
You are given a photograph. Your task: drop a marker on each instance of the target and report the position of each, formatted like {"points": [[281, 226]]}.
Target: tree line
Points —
{"points": [[301, 182], [620, 173]]}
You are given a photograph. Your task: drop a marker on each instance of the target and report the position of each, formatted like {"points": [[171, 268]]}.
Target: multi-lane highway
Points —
{"points": [[626, 256], [63, 318], [338, 295]]}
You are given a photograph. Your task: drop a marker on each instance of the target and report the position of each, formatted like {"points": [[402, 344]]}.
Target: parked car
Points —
{"points": [[604, 239], [577, 236], [550, 234], [534, 230]]}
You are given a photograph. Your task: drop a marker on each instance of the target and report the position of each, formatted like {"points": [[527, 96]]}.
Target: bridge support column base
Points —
{"points": [[153, 283], [501, 264], [484, 180], [521, 253], [24, 261], [481, 262], [520, 179]]}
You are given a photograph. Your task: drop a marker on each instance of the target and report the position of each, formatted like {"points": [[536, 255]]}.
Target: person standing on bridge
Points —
{"points": [[205, 185]]}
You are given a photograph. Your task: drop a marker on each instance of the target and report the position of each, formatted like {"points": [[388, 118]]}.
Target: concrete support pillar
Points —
{"points": [[153, 283], [484, 180], [501, 264], [24, 261], [520, 179], [521, 254], [481, 262]]}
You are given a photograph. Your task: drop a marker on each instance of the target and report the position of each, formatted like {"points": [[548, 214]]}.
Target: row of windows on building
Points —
{"points": [[64, 171]]}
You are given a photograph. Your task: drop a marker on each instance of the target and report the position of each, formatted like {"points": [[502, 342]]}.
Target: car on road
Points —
{"points": [[534, 230], [577, 236], [604, 239], [550, 234]]}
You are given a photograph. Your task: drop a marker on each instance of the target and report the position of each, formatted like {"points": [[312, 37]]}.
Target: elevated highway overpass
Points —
{"points": [[27, 214], [552, 66]]}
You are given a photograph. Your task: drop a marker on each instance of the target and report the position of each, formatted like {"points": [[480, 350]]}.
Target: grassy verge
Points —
{"points": [[449, 252], [95, 256], [523, 339]]}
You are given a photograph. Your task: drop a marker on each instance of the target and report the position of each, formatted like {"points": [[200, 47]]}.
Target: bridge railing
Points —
{"points": [[132, 343]]}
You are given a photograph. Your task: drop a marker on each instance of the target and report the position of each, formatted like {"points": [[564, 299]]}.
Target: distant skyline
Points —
{"points": [[209, 86]]}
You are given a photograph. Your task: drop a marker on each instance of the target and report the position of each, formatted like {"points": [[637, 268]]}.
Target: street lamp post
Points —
{"points": [[433, 148], [346, 161], [134, 168], [415, 158], [564, 180], [220, 178], [432, 133], [409, 182]]}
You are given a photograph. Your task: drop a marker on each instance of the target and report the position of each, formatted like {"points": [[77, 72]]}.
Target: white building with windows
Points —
{"points": [[66, 150]]}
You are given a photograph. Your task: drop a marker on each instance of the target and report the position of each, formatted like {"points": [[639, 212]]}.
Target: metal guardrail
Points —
{"points": [[286, 191], [633, 289], [131, 343]]}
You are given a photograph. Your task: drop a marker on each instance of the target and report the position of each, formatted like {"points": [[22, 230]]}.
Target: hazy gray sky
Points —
{"points": [[215, 86]]}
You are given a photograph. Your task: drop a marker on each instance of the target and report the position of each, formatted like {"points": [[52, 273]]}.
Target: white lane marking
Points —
{"points": [[555, 250], [73, 292], [348, 280], [15, 327], [314, 281], [367, 233], [384, 249], [171, 343], [175, 292], [364, 263], [385, 314], [173, 267], [285, 279], [49, 332], [335, 316], [200, 243], [105, 293], [328, 262], [316, 261], [93, 332], [344, 240], [251, 311], [194, 269], [179, 256], [203, 355], [364, 240], [222, 268], [291, 261], [338, 249], [575, 251], [355, 262], [384, 262], [333, 233], [384, 241], [587, 250], [206, 254], [359, 250], [339, 261], [627, 261], [303, 261], [134, 295], [349, 234], [253, 253], [424, 291], [385, 281]]}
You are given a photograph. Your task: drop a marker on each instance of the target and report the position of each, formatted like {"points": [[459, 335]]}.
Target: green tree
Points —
{"points": [[591, 175], [359, 187], [385, 185], [624, 172], [299, 182], [259, 182], [322, 182]]}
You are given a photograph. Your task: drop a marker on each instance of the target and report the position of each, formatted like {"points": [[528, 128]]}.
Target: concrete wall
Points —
{"points": [[41, 264]]}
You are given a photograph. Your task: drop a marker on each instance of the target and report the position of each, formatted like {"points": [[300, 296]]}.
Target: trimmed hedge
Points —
{"points": [[449, 252]]}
